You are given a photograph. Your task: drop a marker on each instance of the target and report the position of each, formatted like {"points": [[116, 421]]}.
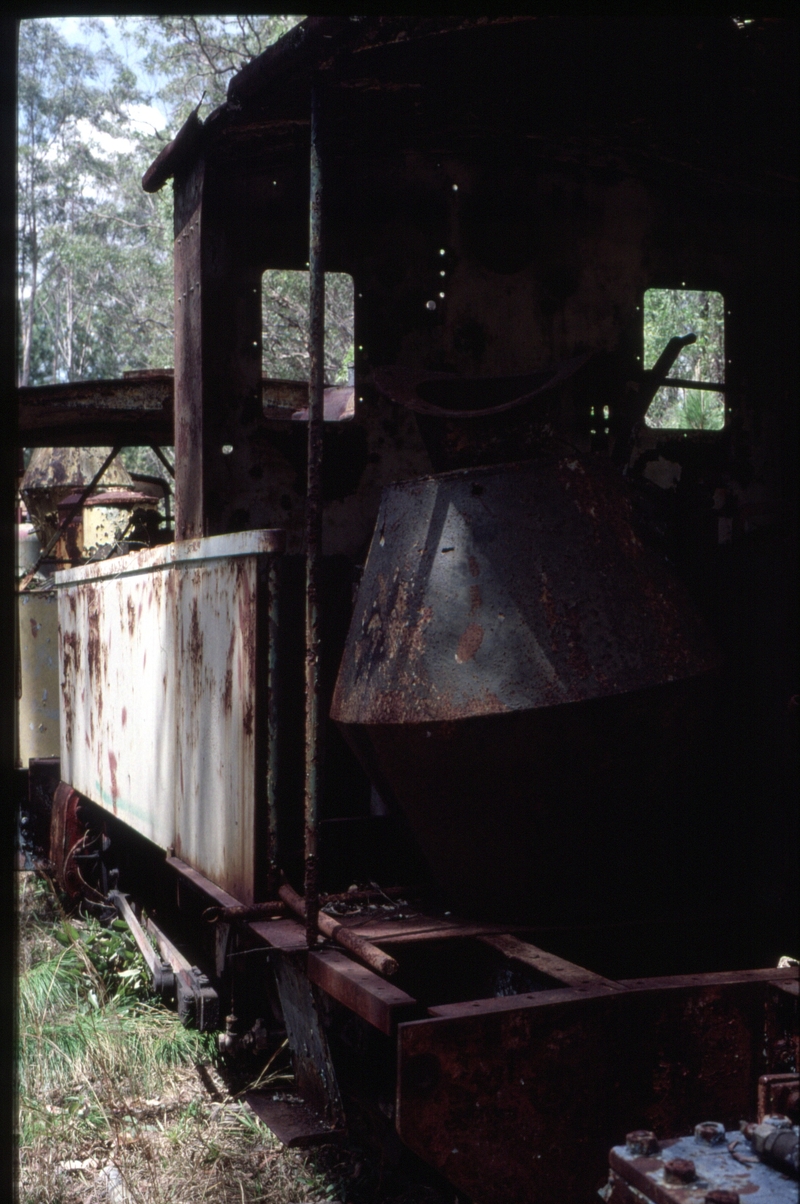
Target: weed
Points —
{"points": [[114, 1100]]}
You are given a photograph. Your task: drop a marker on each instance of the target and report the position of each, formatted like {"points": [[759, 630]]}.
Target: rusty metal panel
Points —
{"points": [[516, 609], [189, 364], [507, 589], [158, 696], [522, 1103], [132, 411]]}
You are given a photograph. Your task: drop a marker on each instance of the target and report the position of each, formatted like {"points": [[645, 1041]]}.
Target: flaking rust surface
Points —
{"points": [[511, 588], [158, 707], [519, 1101]]}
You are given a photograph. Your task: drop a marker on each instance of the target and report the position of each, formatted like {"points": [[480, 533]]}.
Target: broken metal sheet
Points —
{"points": [[293, 1122], [158, 697]]}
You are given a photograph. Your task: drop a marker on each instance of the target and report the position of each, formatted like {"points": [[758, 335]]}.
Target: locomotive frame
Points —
{"points": [[463, 146]]}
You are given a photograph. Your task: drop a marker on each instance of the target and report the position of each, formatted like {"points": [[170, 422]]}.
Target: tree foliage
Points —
{"points": [[95, 251], [198, 55], [284, 335], [670, 312], [94, 257]]}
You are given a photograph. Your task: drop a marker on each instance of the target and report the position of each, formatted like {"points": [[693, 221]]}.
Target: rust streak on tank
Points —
{"points": [[112, 765], [469, 643]]}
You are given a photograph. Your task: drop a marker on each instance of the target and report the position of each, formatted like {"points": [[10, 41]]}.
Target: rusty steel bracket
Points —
{"points": [[161, 972], [779, 1093], [198, 1002]]}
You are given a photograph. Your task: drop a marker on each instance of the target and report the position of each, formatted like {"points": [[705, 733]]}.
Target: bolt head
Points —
{"points": [[710, 1132], [641, 1141], [680, 1170]]}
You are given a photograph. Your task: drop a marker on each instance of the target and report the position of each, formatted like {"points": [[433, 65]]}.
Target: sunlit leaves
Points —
{"points": [[671, 312]]}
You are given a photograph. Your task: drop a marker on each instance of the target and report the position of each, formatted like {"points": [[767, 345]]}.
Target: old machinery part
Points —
{"points": [[68, 834], [473, 600], [68, 516], [198, 1002], [160, 971], [382, 962], [775, 1139], [710, 1167], [237, 1046], [516, 654]]}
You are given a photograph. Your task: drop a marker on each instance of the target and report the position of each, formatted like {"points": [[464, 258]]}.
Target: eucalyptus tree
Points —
{"points": [[94, 262], [95, 250]]}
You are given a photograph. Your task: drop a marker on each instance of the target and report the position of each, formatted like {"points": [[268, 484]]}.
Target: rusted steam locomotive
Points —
{"points": [[471, 635]]}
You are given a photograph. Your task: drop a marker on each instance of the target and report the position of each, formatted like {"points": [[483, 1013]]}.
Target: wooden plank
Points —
{"points": [[548, 963], [380, 1003]]}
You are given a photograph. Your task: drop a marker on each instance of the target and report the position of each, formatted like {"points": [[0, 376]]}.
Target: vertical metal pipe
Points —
{"points": [[316, 346], [273, 581]]}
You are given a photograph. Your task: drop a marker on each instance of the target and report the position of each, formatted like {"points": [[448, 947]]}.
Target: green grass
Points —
{"points": [[109, 1081], [108, 1078]]}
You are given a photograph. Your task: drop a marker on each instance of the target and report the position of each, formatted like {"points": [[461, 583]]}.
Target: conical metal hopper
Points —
{"points": [[512, 639]]}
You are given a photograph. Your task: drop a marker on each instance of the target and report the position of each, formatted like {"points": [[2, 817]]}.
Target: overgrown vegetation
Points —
{"points": [[284, 325], [117, 1101]]}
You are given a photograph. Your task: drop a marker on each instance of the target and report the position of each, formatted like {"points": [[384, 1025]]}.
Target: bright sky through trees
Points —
{"points": [[98, 98]]}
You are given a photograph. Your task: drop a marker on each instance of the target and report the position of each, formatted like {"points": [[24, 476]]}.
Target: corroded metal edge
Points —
{"points": [[194, 551]]}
